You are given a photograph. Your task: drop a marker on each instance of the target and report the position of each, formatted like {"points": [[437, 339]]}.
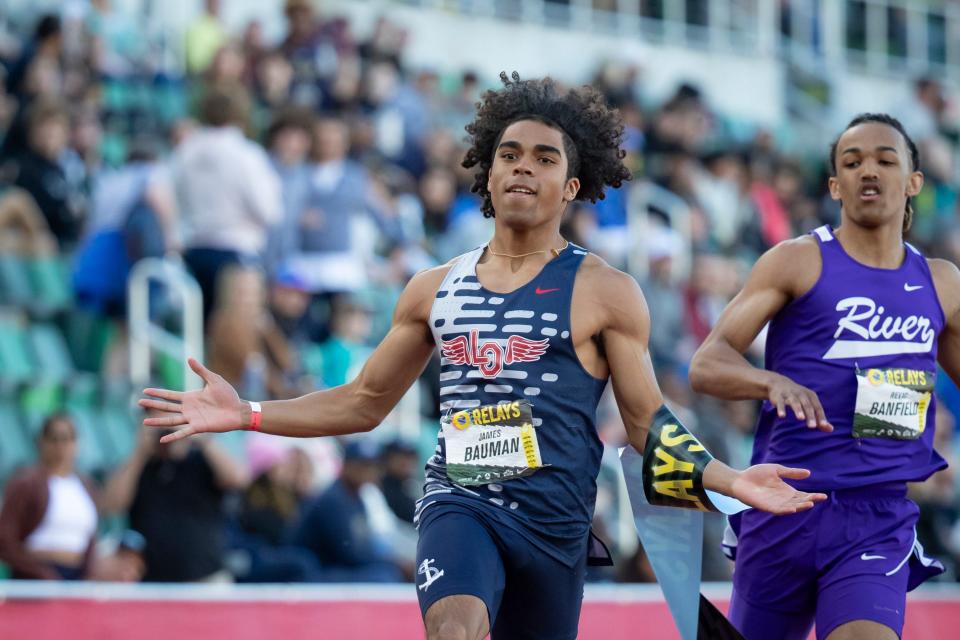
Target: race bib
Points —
{"points": [[491, 443], [892, 403]]}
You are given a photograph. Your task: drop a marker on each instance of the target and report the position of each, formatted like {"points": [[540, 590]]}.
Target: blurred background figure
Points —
{"points": [[334, 248], [400, 482], [132, 217], [315, 48], [342, 530], [36, 72], [36, 169], [126, 563], [48, 524], [247, 345], [23, 229], [173, 495], [289, 139], [205, 36], [229, 195], [270, 508], [346, 348]]}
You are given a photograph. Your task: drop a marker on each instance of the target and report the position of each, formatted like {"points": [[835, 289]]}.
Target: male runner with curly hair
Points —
{"points": [[530, 328]]}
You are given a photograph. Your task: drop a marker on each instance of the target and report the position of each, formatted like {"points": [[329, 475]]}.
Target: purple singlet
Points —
{"points": [[865, 340]]}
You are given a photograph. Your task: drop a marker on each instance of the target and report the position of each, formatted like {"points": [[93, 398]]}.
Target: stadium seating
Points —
{"points": [[51, 355]]}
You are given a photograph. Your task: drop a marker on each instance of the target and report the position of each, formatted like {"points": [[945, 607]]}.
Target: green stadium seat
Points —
{"points": [[16, 447], [120, 420], [142, 96], [113, 148], [50, 280], [51, 353], [116, 95], [88, 336], [112, 525], [170, 371], [83, 390], [17, 364], [91, 454], [170, 103], [39, 400], [15, 286], [119, 429]]}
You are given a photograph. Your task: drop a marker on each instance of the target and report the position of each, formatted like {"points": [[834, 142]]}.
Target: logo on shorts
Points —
{"points": [[431, 573], [490, 357], [866, 556]]}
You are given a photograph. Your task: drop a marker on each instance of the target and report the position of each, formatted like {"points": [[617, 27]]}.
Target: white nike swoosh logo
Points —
{"points": [[911, 287], [865, 556]]}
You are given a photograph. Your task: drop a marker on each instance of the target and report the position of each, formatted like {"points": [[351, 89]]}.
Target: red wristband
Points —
{"points": [[256, 414]]}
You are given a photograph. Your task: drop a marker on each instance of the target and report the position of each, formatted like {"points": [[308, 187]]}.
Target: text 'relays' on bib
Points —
{"points": [[491, 443], [892, 403]]}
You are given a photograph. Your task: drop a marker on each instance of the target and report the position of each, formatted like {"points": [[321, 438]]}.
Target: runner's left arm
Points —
{"points": [[624, 338]]}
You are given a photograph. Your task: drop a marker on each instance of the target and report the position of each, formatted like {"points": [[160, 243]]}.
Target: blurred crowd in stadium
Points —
{"points": [[302, 183]]}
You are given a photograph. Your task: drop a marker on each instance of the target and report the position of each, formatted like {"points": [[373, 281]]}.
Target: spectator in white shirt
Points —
{"points": [[229, 194], [48, 524]]}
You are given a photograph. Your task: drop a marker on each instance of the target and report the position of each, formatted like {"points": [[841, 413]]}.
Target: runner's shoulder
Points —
{"points": [[945, 271], [613, 296], [603, 280], [792, 266], [802, 248], [418, 296], [946, 280]]}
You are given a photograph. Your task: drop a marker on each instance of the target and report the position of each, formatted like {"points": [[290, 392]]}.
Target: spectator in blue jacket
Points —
{"points": [[338, 528]]}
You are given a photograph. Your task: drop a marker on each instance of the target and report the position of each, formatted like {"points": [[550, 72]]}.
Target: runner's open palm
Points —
{"points": [[213, 409], [762, 487]]}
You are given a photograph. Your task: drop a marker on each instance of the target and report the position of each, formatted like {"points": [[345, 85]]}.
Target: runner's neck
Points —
{"points": [[517, 242], [880, 247]]}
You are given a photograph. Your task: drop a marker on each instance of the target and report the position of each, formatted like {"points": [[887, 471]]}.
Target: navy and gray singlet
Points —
{"points": [[518, 442]]}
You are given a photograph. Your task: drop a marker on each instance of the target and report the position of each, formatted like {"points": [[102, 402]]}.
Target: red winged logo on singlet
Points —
{"points": [[490, 357]]}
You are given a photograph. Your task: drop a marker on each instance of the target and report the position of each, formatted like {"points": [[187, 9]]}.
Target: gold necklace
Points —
{"points": [[556, 252]]}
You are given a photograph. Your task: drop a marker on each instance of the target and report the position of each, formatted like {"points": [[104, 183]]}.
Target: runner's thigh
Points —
{"points": [[457, 555], [543, 596]]}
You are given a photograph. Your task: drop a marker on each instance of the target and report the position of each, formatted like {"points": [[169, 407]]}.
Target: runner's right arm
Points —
{"points": [[359, 405], [719, 367], [946, 278]]}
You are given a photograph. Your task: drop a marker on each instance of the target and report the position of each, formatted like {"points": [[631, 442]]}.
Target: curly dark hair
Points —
{"points": [[890, 121], [592, 133]]}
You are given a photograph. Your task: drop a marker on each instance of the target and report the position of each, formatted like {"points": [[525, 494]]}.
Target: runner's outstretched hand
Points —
{"points": [[214, 409], [762, 487]]}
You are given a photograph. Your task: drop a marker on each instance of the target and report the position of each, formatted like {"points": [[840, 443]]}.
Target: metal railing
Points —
{"points": [[148, 338], [644, 195], [876, 36], [873, 36]]}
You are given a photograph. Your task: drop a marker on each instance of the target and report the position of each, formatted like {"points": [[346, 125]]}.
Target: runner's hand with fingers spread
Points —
{"points": [[805, 404], [762, 486], [214, 409]]}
